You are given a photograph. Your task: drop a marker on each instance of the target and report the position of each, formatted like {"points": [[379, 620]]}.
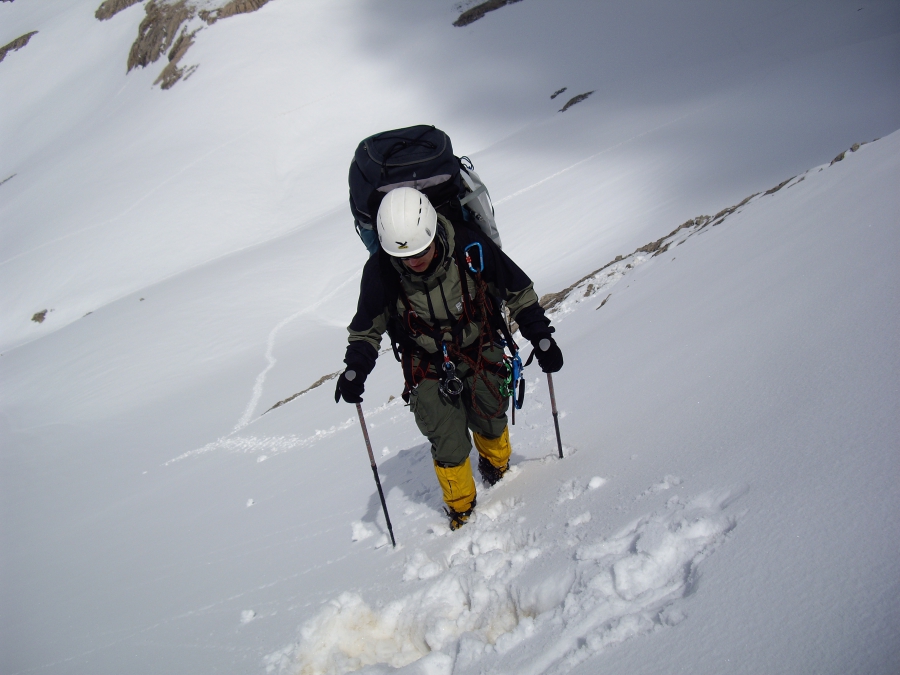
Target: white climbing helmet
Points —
{"points": [[406, 222]]}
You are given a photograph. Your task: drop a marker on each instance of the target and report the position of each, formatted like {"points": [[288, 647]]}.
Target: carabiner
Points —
{"points": [[480, 257], [518, 381], [450, 385]]}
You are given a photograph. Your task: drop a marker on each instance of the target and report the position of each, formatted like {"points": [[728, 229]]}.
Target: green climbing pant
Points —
{"points": [[446, 422]]}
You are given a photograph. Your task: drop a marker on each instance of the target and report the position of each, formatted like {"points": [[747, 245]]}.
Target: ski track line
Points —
{"points": [[261, 378], [601, 152], [247, 417], [276, 445]]}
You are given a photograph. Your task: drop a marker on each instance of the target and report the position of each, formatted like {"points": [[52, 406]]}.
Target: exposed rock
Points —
{"points": [[575, 99], [557, 93], [779, 186], [40, 316], [157, 32], [8, 178], [109, 8], [478, 11], [16, 44], [318, 383], [231, 9], [172, 73], [853, 148]]}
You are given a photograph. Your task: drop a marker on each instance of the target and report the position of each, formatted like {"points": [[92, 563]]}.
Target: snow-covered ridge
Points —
{"points": [[594, 283]]}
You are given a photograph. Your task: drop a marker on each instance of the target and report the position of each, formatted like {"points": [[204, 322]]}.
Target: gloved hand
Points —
{"points": [[350, 385], [548, 354]]}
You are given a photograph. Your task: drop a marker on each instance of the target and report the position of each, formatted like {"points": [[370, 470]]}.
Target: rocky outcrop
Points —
{"points": [[172, 73], [16, 44], [165, 30], [472, 15], [231, 9], [575, 99], [158, 31], [109, 8], [853, 148]]}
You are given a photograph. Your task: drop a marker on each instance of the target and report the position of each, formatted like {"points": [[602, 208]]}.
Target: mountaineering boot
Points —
{"points": [[457, 520], [493, 456], [458, 486]]}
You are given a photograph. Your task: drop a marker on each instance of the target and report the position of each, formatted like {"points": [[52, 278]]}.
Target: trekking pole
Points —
{"points": [[362, 423], [555, 414]]}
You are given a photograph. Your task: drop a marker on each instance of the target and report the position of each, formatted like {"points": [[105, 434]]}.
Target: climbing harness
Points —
{"points": [[477, 308]]}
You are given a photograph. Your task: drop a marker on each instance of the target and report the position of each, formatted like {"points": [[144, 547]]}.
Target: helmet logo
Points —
{"points": [[402, 244]]}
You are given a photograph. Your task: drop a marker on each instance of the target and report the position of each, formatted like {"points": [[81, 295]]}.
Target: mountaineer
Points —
{"points": [[436, 288]]}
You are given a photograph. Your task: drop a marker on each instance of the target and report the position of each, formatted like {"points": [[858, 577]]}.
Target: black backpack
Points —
{"points": [[420, 157]]}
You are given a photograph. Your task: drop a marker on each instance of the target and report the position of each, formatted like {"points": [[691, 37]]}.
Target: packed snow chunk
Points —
{"points": [[545, 594], [420, 566], [596, 482], [347, 635], [580, 519], [361, 531], [247, 616]]}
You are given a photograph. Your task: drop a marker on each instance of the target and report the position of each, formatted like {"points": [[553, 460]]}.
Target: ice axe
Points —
{"points": [[387, 518]]}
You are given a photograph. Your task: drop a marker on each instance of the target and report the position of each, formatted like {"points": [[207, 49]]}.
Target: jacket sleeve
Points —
{"points": [[370, 321], [506, 280]]}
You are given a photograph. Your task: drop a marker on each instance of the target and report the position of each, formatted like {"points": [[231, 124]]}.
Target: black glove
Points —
{"points": [[350, 385], [548, 354]]}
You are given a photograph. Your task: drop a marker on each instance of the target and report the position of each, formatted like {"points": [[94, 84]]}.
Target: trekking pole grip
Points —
{"points": [[555, 413], [387, 518]]}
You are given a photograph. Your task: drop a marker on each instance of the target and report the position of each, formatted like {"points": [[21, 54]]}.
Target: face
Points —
{"points": [[419, 265]]}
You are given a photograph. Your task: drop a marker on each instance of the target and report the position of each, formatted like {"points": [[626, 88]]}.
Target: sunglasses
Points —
{"points": [[417, 256]]}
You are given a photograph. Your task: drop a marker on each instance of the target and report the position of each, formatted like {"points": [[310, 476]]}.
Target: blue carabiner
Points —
{"points": [[518, 381], [480, 257]]}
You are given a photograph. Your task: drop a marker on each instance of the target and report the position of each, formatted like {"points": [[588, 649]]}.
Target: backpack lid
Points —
{"points": [[419, 157]]}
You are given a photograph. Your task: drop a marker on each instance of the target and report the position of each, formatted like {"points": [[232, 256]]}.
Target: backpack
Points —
{"points": [[420, 157]]}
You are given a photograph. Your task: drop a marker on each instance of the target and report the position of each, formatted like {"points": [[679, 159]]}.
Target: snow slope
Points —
{"points": [[728, 499], [731, 479]]}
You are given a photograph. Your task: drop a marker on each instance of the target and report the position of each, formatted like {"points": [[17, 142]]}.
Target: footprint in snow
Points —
{"points": [[479, 602]]}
